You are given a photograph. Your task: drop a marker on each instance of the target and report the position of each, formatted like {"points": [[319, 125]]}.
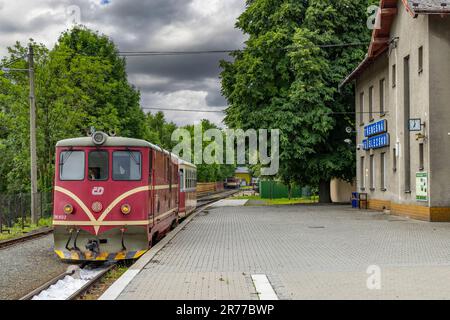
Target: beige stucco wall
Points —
{"points": [[341, 191], [412, 34], [439, 115]]}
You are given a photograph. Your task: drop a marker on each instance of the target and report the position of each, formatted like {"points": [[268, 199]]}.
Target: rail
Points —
{"points": [[45, 231]]}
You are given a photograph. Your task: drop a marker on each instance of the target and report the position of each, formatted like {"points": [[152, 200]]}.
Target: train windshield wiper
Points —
{"points": [[64, 159], [131, 153]]}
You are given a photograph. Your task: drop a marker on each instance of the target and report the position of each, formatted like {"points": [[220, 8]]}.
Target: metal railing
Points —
{"points": [[15, 209]]}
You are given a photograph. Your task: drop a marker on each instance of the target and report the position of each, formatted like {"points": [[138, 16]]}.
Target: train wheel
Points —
{"points": [[174, 224], [154, 239]]}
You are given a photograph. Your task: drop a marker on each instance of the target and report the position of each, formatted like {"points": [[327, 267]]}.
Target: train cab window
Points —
{"points": [[127, 166], [71, 165], [98, 165]]}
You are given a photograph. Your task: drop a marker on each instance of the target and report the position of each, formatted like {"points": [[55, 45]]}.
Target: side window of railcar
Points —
{"points": [[71, 165], [98, 165], [188, 179], [181, 179], [127, 166]]}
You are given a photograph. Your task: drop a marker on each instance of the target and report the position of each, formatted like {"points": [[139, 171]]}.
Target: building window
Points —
{"points": [[383, 171], [394, 159], [394, 76], [407, 112], [382, 97], [362, 175], [372, 173], [420, 59], [371, 103], [361, 108], [421, 157]]}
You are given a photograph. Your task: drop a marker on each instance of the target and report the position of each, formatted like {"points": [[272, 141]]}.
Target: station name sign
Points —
{"points": [[375, 128], [376, 142]]}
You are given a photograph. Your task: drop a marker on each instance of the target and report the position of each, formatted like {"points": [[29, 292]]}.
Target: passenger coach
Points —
{"points": [[114, 197]]}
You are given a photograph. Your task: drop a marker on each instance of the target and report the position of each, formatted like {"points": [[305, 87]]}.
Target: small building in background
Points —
{"points": [[243, 174], [341, 191]]}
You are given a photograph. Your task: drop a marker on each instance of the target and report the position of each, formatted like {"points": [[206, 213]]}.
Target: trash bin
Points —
{"points": [[355, 201], [363, 202]]}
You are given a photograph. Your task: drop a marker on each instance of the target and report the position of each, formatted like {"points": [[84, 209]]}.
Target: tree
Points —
{"points": [[286, 79], [80, 83], [210, 172]]}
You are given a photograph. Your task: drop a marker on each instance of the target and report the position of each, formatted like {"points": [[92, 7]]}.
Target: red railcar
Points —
{"points": [[113, 197]]}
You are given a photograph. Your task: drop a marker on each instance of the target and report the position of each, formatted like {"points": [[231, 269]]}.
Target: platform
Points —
{"points": [[306, 252]]}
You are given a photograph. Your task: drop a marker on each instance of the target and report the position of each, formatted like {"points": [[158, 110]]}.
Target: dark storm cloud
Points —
{"points": [[150, 25]]}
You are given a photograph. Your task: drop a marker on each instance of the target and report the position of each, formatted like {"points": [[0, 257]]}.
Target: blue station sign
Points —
{"points": [[376, 142], [375, 128]]}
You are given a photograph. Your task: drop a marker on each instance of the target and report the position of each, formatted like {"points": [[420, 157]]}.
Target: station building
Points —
{"points": [[403, 111]]}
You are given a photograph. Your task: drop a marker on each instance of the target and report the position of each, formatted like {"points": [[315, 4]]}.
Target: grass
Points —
{"points": [[97, 290], [16, 230], [283, 201]]}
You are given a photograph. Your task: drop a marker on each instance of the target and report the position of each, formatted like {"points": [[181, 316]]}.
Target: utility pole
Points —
{"points": [[33, 153]]}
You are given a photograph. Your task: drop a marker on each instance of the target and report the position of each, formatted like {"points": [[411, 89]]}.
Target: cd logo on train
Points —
{"points": [[98, 191]]}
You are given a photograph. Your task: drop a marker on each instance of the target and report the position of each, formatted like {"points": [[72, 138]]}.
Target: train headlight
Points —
{"points": [[97, 207], [125, 209], [99, 138], [68, 209]]}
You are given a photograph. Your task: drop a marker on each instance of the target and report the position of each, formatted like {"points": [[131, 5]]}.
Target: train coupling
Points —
{"points": [[93, 246]]}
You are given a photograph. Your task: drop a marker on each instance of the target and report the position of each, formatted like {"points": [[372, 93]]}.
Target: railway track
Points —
{"points": [[28, 237], [71, 284], [67, 286], [45, 231]]}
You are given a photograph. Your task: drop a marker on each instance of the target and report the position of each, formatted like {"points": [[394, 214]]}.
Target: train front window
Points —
{"points": [[71, 165], [98, 165], [127, 166]]}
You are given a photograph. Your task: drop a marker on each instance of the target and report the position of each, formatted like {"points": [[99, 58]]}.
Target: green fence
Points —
{"points": [[276, 190]]}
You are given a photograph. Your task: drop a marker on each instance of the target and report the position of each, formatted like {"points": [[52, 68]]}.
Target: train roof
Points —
{"points": [[181, 162], [110, 142], [120, 142]]}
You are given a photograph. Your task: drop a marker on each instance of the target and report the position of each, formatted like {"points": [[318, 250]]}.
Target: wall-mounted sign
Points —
{"points": [[422, 186], [376, 142], [375, 128], [415, 124]]}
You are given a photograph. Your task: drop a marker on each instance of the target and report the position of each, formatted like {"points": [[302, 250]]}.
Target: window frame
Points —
{"points": [[362, 169], [84, 165], [383, 171], [421, 156], [371, 117], [382, 97], [394, 75], [107, 168], [372, 172], [140, 165], [420, 60], [361, 108]]}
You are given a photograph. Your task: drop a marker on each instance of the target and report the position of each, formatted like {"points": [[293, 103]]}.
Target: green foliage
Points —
{"points": [[286, 79], [80, 83], [210, 172]]}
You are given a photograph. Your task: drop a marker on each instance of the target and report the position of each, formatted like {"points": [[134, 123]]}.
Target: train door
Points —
{"points": [[182, 196]]}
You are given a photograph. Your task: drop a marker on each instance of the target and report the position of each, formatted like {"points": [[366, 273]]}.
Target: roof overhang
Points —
{"points": [[385, 17], [380, 37], [416, 7]]}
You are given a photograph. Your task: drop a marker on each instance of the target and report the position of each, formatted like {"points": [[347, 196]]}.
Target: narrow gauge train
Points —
{"points": [[114, 197]]}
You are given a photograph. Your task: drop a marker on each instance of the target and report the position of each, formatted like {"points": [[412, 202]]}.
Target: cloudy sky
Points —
{"points": [[175, 82]]}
